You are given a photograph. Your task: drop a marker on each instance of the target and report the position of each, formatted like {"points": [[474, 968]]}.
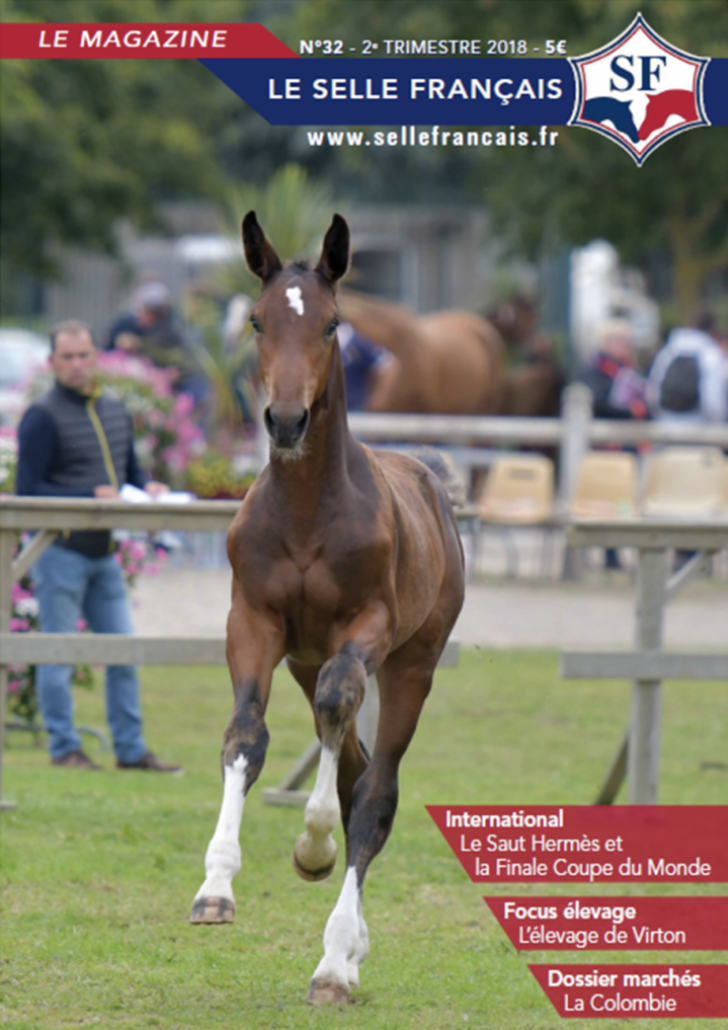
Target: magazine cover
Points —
{"points": [[363, 514]]}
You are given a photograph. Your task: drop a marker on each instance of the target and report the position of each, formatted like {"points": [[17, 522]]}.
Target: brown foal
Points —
{"points": [[347, 563]]}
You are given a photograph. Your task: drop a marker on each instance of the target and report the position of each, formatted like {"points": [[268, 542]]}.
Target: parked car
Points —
{"points": [[22, 354]]}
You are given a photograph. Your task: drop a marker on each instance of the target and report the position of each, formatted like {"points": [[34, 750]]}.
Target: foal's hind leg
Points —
{"points": [[254, 649], [403, 691]]}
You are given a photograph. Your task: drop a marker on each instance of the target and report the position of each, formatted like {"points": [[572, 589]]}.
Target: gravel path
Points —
{"points": [[183, 602]]}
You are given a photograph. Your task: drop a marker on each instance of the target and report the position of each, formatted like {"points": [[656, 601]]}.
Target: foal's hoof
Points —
{"points": [[312, 875], [322, 992], [213, 910], [314, 860]]}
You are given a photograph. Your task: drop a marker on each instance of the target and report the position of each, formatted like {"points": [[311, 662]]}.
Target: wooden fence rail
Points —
{"points": [[648, 665], [572, 434]]}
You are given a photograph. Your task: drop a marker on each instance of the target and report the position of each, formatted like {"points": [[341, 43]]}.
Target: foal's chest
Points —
{"points": [[319, 584]]}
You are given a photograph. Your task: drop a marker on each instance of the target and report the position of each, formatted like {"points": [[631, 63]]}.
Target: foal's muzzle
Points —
{"points": [[287, 431]]}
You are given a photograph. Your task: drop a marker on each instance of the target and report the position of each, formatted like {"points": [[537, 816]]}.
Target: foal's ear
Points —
{"points": [[262, 259], [334, 259]]}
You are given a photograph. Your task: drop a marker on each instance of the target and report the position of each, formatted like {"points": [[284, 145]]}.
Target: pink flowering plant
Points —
{"points": [[135, 557], [166, 436]]}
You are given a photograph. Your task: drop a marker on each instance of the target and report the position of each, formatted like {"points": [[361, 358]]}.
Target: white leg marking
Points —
{"points": [[315, 849], [295, 300], [361, 949], [222, 861], [345, 938]]}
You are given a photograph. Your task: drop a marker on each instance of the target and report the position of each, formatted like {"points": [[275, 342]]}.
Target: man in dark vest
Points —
{"points": [[76, 441]]}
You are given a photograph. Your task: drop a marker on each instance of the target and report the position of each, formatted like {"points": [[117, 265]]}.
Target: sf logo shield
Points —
{"points": [[639, 90]]}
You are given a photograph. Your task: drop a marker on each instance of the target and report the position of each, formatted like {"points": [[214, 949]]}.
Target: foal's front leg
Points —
{"points": [[254, 648]]}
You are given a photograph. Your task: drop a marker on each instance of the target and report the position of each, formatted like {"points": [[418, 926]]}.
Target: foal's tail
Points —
{"points": [[443, 468]]}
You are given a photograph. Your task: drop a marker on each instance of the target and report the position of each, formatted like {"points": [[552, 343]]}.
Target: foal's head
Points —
{"points": [[295, 323]]}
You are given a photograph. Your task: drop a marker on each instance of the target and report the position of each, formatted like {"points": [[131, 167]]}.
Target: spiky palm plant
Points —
{"points": [[294, 212]]}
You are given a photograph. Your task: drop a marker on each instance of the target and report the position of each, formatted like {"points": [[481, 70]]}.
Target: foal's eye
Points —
{"points": [[332, 327], [257, 327]]}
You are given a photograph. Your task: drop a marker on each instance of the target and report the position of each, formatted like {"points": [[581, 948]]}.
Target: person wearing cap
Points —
{"points": [[151, 330], [77, 441], [149, 327]]}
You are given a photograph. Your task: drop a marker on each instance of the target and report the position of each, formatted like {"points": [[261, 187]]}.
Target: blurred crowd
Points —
{"points": [[686, 382]]}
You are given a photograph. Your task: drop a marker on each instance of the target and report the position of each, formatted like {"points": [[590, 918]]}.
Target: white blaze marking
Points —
{"points": [[222, 861], [295, 300]]}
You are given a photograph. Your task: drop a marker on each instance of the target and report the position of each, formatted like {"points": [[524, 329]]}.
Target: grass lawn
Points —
{"points": [[99, 870]]}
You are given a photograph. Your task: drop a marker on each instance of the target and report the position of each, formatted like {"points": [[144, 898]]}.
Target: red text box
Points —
{"points": [[635, 991], [593, 844], [611, 924], [142, 40]]}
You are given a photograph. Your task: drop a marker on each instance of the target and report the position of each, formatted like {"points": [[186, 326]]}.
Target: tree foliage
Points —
{"points": [[85, 143], [585, 186]]}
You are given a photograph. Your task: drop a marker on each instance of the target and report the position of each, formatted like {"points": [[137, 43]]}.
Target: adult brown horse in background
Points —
{"points": [[533, 380], [454, 362], [447, 362], [348, 563]]}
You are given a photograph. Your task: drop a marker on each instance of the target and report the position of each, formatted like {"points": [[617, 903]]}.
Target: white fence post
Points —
{"points": [[576, 416], [575, 429], [643, 756]]}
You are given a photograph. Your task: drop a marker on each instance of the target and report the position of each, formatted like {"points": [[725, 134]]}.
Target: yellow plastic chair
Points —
{"points": [[685, 481], [606, 486], [519, 492]]}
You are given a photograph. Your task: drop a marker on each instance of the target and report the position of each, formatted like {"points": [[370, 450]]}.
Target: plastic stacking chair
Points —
{"points": [[606, 486], [686, 482], [518, 492]]}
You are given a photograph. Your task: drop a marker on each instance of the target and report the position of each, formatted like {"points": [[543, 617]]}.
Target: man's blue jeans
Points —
{"points": [[69, 585]]}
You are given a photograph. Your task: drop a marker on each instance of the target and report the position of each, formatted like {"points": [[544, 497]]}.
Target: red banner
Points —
{"points": [[139, 40], [635, 992], [594, 844], [610, 924]]}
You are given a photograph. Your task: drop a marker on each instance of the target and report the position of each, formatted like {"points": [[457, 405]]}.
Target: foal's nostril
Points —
{"points": [[302, 424], [286, 431]]}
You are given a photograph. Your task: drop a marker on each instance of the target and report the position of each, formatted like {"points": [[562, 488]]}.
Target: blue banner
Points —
{"points": [[427, 91]]}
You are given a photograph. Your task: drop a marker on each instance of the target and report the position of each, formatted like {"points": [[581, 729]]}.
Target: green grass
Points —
{"points": [[99, 870]]}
